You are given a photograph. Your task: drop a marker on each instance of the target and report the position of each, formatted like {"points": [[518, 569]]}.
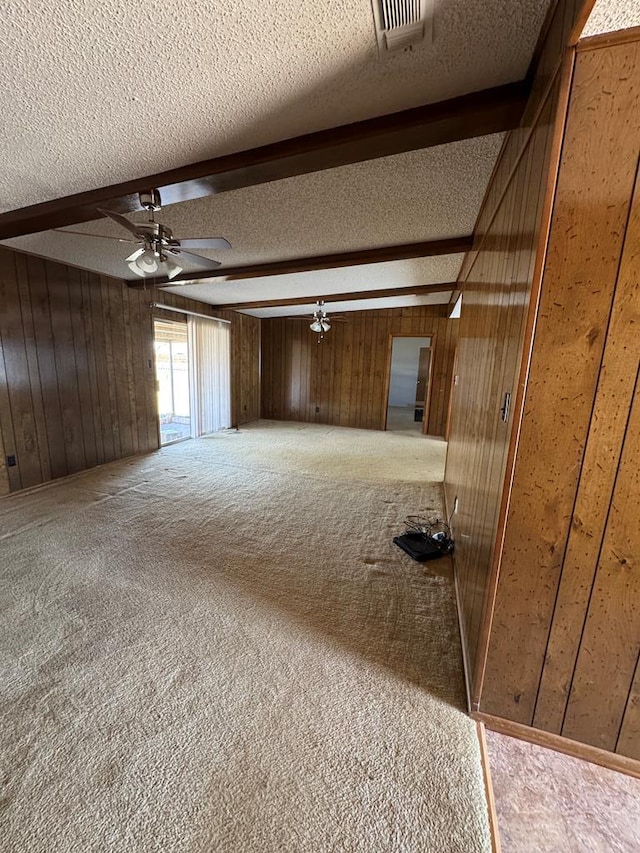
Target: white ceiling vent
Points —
{"points": [[402, 23]]}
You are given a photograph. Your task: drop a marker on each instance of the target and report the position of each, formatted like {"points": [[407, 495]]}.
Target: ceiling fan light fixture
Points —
{"points": [[136, 270], [157, 245], [173, 269], [148, 262], [316, 326]]}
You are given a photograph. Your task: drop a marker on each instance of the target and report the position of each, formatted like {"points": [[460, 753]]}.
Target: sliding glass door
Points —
{"points": [[193, 374], [172, 376]]}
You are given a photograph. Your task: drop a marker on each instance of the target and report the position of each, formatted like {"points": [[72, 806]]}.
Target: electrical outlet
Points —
{"points": [[317, 410], [455, 505], [11, 461]]}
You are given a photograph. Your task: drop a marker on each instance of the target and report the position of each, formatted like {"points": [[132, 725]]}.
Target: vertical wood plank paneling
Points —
{"points": [[16, 367], [629, 737], [137, 364], [77, 378], [148, 363], [4, 476], [593, 197], [550, 53], [129, 379], [11, 475], [90, 349], [45, 352], [65, 365], [500, 280], [119, 368], [495, 302], [610, 644], [604, 446], [104, 393], [33, 368], [247, 370], [85, 414], [345, 374], [108, 322], [346, 367]]}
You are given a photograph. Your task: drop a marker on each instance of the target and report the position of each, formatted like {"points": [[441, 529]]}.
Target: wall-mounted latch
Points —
{"points": [[506, 405]]}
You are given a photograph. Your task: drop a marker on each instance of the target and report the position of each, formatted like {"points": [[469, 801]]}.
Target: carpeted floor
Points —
{"points": [[216, 647]]}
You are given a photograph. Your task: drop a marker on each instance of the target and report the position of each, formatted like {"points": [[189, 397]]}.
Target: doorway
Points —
{"points": [[409, 384], [172, 378]]}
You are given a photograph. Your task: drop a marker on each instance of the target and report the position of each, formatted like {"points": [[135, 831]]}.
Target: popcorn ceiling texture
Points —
{"points": [[610, 15], [321, 283], [354, 305], [217, 647], [421, 195], [97, 93]]}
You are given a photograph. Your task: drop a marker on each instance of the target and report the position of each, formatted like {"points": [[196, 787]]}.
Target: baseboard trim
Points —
{"points": [[594, 754], [461, 631], [463, 637], [496, 847]]}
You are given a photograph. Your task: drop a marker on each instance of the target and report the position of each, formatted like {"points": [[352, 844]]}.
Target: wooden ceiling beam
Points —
{"points": [[381, 254], [419, 290], [476, 114]]}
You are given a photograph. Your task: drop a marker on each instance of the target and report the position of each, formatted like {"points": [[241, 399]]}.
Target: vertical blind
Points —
{"points": [[210, 365]]}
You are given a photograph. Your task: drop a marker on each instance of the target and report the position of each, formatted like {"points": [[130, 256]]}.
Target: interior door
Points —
{"points": [[423, 385]]}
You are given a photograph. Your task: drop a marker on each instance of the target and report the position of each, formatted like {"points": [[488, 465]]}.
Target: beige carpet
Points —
{"points": [[216, 647]]}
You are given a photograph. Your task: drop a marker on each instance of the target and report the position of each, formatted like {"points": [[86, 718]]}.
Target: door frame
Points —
{"points": [[427, 406]]}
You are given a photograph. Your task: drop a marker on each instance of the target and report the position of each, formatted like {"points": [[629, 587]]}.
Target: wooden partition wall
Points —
{"points": [[77, 382], [343, 380], [499, 281], [565, 638], [548, 542]]}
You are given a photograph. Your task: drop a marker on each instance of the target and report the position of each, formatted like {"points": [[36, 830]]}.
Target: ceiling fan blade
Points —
{"points": [[87, 234], [204, 243], [195, 259], [122, 220]]}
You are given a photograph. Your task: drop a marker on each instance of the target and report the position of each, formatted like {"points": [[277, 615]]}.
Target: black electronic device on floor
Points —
{"points": [[418, 546], [425, 540]]}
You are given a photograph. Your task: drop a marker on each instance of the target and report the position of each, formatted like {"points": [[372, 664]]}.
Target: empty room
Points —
{"points": [[319, 426]]}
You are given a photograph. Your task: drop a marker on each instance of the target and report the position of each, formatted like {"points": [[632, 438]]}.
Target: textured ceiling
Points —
{"points": [[96, 93], [422, 195], [323, 283], [354, 305], [610, 15]]}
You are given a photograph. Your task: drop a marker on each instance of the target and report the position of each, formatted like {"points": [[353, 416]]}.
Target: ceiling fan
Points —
{"points": [[158, 248], [320, 323], [320, 320]]}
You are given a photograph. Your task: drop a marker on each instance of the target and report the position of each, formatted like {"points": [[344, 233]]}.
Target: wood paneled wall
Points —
{"points": [[565, 639], [77, 382], [500, 279], [343, 380], [76, 372]]}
